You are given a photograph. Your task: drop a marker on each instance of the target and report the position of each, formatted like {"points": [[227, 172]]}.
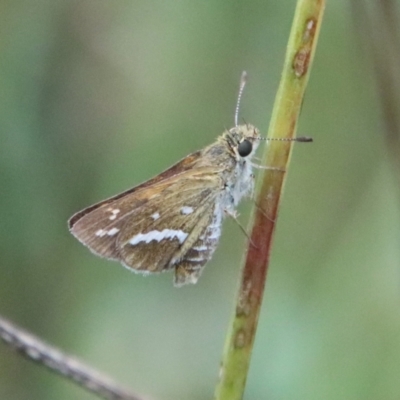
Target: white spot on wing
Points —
{"points": [[200, 248], [114, 213], [158, 236], [185, 210], [195, 259], [155, 216], [100, 232], [112, 231]]}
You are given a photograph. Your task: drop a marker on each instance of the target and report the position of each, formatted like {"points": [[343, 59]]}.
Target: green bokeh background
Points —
{"points": [[98, 96]]}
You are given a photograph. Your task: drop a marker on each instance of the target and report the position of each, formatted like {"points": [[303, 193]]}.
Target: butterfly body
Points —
{"points": [[174, 220]]}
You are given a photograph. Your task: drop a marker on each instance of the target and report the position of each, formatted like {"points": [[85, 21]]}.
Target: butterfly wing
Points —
{"points": [[153, 226], [95, 225]]}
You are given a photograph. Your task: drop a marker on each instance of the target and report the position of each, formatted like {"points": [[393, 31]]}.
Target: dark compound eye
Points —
{"points": [[245, 148]]}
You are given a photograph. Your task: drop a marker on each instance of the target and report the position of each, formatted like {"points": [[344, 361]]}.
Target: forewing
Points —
{"points": [[158, 208], [97, 226]]}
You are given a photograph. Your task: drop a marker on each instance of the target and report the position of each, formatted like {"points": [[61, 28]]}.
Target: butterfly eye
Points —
{"points": [[245, 148]]}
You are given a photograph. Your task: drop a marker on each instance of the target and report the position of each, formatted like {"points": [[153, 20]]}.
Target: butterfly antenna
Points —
{"points": [[243, 80], [302, 139]]}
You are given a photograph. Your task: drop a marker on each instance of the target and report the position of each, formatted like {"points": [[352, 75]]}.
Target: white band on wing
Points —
{"points": [[158, 236]]}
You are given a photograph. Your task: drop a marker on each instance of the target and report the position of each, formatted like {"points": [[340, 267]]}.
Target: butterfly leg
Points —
{"points": [[257, 166], [262, 211], [251, 195], [233, 214]]}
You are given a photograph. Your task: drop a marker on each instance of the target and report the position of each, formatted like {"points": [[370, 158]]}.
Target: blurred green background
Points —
{"points": [[98, 96]]}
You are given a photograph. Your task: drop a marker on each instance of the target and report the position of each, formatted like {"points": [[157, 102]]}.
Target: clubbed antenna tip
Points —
{"points": [[304, 139]]}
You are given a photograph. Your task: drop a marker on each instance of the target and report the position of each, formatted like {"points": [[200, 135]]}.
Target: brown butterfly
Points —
{"points": [[173, 221]]}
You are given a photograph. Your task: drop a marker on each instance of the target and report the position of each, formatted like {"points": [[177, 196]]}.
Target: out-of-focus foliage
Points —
{"points": [[97, 96]]}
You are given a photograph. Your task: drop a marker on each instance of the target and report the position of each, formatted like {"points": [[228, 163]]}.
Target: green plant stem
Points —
{"points": [[299, 55]]}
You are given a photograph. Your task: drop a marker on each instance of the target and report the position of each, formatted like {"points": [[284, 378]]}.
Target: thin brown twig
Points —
{"points": [[34, 349]]}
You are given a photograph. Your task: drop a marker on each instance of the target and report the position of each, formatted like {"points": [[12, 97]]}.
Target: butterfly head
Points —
{"points": [[243, 140]]}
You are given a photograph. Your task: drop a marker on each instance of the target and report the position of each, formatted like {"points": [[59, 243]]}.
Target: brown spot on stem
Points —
{"points": [[301, 59], [309, 31]]}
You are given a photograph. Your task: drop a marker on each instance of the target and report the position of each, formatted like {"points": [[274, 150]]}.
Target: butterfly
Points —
{"points": [[173, 221]]}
